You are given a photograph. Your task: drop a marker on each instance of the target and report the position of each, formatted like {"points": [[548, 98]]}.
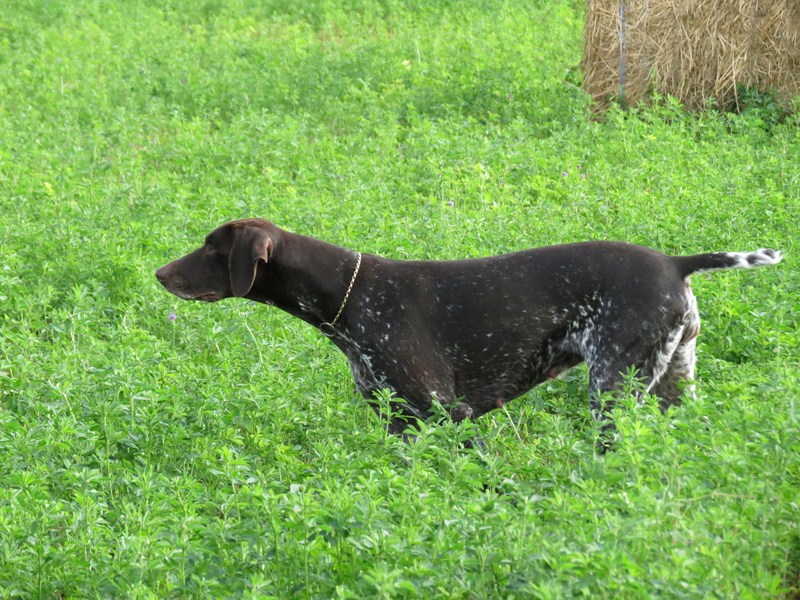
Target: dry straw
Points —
{"points": [[691, 49]]}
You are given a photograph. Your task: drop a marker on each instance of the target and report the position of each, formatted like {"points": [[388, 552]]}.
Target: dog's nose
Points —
{"points": [[162, 275]]}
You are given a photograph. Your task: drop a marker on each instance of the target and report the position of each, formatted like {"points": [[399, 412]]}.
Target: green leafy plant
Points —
{"points": [[154, 448]]}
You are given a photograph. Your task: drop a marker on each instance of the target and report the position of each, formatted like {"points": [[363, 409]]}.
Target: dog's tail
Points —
{"points": [[714, 261]]}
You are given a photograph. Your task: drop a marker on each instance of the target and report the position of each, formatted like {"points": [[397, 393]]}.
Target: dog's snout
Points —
{"points": [[162, 275]]}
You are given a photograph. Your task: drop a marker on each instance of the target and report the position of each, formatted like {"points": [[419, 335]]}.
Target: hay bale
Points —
{"points": [[691, 49]]}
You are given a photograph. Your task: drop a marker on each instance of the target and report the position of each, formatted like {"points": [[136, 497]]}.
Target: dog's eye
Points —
{"points": [[210, 251]]}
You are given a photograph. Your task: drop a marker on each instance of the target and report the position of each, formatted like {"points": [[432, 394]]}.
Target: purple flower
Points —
{"points": [[563, 173], [172, 316]]}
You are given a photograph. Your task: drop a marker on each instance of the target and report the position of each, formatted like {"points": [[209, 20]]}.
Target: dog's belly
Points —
{"points": [[508, 379], [483, 377]]}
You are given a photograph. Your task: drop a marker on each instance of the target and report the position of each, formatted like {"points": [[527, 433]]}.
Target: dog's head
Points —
{"points": [[225, 265]]}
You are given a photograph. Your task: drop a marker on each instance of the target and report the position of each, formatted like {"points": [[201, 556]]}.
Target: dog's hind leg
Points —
{"points": [[651, 361], [678, 376], [680, 371]]}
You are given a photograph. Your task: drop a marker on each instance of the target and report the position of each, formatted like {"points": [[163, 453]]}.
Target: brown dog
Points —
{"points": [[473, 333]]}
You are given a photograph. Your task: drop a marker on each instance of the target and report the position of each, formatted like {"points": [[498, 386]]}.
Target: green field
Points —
{"points": [[154, 448]]}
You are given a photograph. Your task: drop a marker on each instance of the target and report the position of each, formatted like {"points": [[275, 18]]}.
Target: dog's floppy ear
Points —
{"points": [[250, 245]]}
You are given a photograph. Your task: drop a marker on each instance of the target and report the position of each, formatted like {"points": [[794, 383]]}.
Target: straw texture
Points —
{"points": [[691, 49]]}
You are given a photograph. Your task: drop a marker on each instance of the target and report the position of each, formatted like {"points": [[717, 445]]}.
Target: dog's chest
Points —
{"points": [[361, 356]]}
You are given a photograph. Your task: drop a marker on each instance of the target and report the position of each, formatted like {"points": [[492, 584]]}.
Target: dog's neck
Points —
{"points": [[305, 277]]}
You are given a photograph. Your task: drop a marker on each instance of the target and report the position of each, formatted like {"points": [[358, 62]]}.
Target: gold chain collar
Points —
{"points": [[327, 328]]}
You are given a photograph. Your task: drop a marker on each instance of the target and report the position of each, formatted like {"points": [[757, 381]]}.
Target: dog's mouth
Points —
{"points": [[208, 297]]}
